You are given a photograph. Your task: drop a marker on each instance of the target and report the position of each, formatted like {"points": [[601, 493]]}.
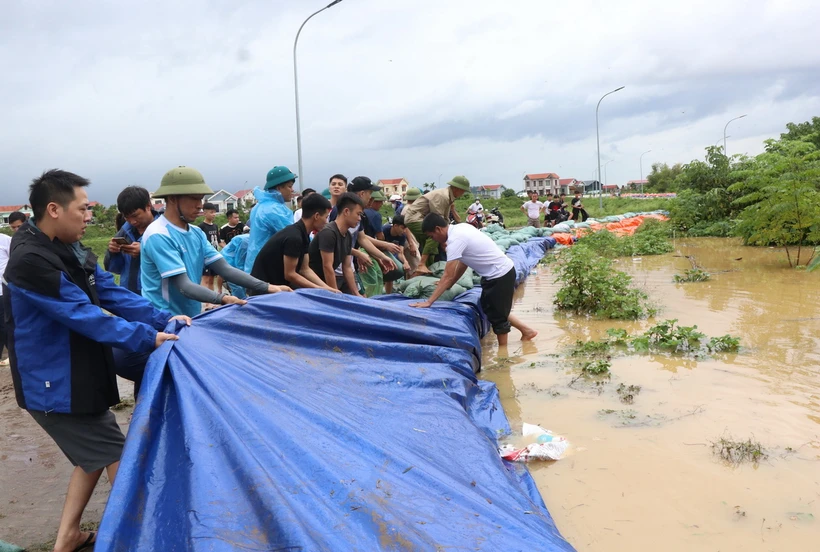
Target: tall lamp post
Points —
{"points": [[598, 139], [726, 153], [296, 92], [605, 177], [641, 162]]}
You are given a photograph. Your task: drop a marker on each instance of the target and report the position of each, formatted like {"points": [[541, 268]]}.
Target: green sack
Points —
{"points": [[372, 280]]}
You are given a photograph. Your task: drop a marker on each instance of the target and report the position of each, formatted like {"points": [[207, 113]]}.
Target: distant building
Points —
{"points": [[568, 186], [636, 184], [6, 210], [393, 186], [492, 191], [157, 202], [591, 186], [611, 188], [223, 200], [245, 198], [542, 183]]}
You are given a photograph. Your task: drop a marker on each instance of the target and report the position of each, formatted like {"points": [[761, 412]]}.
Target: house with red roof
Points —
{"points": [[6, 210], [542, 183], [245, 197], [569, 186], [393, 186]]}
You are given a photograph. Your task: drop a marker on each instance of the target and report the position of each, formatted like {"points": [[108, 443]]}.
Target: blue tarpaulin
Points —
{"points": [[315, 421]]}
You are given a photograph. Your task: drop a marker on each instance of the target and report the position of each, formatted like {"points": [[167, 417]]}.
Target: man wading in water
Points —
{"points": [[469, 247]]}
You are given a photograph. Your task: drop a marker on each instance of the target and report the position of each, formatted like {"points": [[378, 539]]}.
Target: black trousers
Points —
{"points": [[497, 300], [579, 213]]}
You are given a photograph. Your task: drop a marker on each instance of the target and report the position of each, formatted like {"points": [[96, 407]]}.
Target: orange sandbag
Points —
{"points": [[563, 239]]}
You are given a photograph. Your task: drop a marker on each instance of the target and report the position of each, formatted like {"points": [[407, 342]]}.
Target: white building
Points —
{"points": [[542, 183], [223, 200]]}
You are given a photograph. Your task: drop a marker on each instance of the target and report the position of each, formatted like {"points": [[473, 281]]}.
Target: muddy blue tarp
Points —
{"points": [[313, 421]]}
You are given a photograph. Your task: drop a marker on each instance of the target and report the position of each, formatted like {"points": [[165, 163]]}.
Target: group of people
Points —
{"points": [[555, 212], [54, 286]]}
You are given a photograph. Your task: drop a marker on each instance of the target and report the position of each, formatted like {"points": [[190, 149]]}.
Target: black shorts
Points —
{"points": [[91, 441], [497, 300]]}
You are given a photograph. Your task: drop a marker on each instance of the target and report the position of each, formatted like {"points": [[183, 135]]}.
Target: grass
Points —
{"points": [[736, 452], [514, 217]]}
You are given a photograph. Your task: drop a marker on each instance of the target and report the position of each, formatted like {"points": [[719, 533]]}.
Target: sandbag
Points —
{"points": [[372, 280]]}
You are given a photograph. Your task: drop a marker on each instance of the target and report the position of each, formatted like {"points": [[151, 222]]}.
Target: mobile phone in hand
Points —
{"points": [[121, 240]]}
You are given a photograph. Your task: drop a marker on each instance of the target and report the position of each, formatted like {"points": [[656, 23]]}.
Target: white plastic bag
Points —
{"points": [[546, 447]]}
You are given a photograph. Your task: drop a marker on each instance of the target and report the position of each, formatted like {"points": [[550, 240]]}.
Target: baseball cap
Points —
{"points": [[362, 184]]}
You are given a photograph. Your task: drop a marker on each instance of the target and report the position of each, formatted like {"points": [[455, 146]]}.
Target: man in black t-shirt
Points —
{"points": [[395, 233], [332, 246], [579, 214], [232, 229], [212, 233], [284, 257]]}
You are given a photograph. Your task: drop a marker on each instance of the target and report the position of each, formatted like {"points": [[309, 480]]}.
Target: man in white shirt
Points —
{"points": [[476, 208], [533, 208], [469, 247]]}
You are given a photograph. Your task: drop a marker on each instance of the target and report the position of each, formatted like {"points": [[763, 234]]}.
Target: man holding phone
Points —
{"points": [[123, 255]]}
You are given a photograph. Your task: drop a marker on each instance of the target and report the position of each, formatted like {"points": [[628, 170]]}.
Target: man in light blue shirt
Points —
{"points": [[174, 252]]}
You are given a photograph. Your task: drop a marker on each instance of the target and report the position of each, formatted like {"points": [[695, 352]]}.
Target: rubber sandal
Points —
{"points": [[89, 542]]}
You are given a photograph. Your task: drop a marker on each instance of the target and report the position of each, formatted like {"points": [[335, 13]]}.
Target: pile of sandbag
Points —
{"points": [[422, 287]]}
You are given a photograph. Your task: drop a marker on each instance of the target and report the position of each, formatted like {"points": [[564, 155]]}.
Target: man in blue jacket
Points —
{"points": [[60, 339], [134, 203]]}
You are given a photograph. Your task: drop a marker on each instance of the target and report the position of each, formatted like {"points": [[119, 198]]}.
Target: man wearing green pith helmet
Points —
{"points": [[439, 202], [272, 212], [175, 252]]}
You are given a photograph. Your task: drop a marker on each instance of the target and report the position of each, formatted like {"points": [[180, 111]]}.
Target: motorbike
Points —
{"points": [[495, 217], [475, 219]]}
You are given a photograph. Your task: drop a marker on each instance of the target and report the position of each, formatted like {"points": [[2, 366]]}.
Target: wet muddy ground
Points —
{"points": [[639, 478], [34, 473], [642, 476]]}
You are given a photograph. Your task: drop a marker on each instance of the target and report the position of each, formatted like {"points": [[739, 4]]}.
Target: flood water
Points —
{"points": [[644, 477]]}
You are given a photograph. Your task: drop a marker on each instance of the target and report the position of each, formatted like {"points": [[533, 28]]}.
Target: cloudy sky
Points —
{"points": [[122, 91]]}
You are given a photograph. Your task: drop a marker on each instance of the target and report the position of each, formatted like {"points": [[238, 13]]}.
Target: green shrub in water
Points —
{"points": [[692, 275], [598, 367], [667, 335], [589, 285]]}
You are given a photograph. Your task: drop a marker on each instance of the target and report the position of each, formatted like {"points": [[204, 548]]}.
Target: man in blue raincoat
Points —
{"points": [[272, 211]]}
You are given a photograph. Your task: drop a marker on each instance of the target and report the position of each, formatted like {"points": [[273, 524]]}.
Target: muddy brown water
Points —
{"points": [[644, 477]]}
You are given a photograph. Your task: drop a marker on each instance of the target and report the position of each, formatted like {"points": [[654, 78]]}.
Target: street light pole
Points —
{"points": [[641, 161], [726, 153], [605, 177], [296, 92], [598, 139]]}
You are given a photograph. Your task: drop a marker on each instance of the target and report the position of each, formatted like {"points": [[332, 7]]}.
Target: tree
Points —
{"points": [[105, 216], [781, 198], [662, 178], [508, 193], [429, 186], [807, 132]]}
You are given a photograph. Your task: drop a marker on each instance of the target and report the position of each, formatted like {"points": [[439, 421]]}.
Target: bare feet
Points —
{"points": [[528, 335]]}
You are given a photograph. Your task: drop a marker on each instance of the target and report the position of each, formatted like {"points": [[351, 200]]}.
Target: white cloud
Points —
{"points": [[121, 92]]}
